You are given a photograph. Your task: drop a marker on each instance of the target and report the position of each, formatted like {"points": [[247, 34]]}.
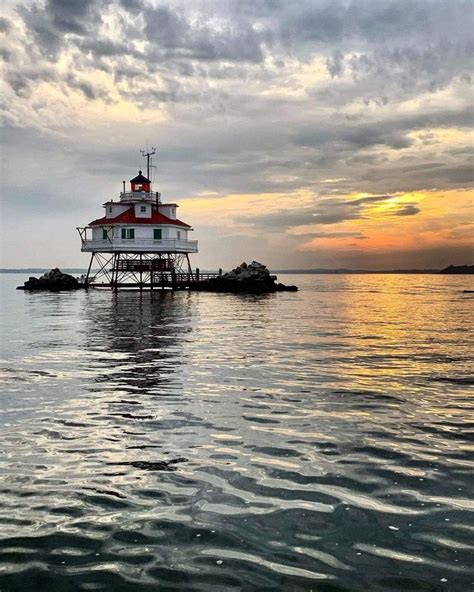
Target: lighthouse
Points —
{"points": [[139, 242]]}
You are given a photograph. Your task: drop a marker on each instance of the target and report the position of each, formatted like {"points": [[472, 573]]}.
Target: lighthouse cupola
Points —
{"points": [[140, 183]]}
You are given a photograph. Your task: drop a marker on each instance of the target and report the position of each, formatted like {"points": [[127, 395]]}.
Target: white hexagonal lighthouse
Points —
{"points": [[139, 242]]}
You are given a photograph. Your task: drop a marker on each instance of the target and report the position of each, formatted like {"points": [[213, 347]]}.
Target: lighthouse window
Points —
{"points": [[142, 208], [178, 234], [110, 209], [157, 233], [104, 234], [128, 233]]}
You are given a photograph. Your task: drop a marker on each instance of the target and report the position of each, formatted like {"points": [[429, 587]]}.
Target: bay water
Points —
{"points": [[319, 440]]}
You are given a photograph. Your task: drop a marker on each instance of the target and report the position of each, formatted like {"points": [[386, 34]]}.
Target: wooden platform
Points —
{"points": [[160, 280]]}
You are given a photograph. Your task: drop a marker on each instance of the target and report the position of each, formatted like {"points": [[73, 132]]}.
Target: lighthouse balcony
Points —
{"points": [[139, 245], [140, 196]]}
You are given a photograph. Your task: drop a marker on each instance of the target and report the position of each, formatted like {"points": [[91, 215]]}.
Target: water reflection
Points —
{"points": [[303, 441], [141, 335]]}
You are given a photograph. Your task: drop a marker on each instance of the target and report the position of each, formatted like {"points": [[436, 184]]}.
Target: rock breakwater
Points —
{"points": [[54, 281], [252, 278]]}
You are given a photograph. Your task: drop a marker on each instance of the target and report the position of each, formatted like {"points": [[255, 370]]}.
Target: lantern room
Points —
{"points": [[140, 183]]}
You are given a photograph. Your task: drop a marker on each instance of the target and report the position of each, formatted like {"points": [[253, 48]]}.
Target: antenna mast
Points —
{"points": [[148, 155]]}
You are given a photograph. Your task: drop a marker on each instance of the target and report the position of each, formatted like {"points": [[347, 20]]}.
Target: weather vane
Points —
{"points": [[148, 156]]}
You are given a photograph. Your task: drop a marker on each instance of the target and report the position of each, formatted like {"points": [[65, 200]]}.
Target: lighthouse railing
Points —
{"points": [[138, 196], [140, 244]]}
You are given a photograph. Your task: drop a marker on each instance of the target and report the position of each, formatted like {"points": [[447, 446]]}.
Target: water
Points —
{"points": [[319, 440]]}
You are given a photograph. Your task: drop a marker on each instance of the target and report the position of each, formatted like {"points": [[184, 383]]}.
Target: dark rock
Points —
{"points": [[54, 281], [283, 288], [252, 278]]}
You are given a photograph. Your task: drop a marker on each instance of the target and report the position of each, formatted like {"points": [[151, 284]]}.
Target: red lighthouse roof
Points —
{"points": [[129, 217]]}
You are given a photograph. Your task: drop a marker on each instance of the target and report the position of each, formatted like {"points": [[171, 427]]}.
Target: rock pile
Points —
{"points": [[54, 280], [253, 278]]}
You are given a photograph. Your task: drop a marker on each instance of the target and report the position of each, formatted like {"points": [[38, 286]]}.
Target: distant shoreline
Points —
{"points": [[450, 270]]}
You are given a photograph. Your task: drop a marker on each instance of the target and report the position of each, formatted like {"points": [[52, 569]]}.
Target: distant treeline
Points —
{"points": [[451, 269]]}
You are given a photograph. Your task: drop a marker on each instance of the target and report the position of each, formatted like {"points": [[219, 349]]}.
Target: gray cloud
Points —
{"points": [[21, 80], [332, 235], [368, 200], [335, 63], [325, 211], [408, 210], [90, 90], [281, 220], [50, 23], [403, 46], [5, 25], [107, 48], [171, 31], [357, 136]]}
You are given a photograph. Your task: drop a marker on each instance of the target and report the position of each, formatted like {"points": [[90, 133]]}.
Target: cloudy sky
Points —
{"points": [[302, 133]]}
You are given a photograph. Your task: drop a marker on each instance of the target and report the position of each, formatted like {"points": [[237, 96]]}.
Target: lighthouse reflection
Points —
{"points": [[138, 340], [138, 351]]}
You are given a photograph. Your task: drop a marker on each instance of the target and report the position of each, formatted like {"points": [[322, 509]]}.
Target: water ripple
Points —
{"points": [[206, 442]]}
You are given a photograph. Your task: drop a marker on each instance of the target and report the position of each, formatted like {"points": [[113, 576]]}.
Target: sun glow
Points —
{"points": [[438, 218]]}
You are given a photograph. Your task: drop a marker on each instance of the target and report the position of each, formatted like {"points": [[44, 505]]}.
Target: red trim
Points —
{"points": [[140, 186], [128, 217]]}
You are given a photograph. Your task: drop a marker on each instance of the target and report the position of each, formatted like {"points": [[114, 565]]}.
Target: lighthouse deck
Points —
{"points": [[156, 281], [139, 245]]}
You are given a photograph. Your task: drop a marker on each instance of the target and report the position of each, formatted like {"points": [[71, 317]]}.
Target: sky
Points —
{"points": [[303, 134]]}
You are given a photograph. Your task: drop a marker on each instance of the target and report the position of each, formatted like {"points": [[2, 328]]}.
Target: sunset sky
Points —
{"points": [[305, 134]]}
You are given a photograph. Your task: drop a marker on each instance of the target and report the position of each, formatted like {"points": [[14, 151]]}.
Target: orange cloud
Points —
{"points": [[444, 218]]}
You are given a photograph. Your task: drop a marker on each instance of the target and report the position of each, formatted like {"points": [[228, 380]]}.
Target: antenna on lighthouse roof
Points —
{"points": [[148, 155]]}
